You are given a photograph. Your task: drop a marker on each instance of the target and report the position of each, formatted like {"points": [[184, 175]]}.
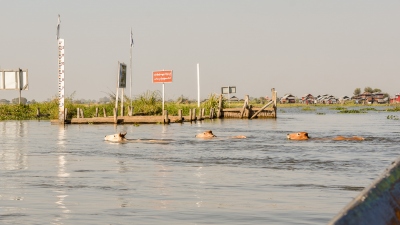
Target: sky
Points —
{"points": [[298, 47]]}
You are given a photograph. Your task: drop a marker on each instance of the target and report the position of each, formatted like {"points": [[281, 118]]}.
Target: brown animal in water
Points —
{"points": [[304, 136], [115, 137], [354, 138], [209, 134], [298, 136], [120, 137], [206, 134]]}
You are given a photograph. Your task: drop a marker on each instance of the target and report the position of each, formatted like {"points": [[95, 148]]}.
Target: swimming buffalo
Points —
{"points": [[115, 137], [304, 136], [209, 134]]}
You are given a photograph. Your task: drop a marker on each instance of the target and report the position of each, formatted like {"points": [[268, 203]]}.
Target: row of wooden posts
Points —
{"points": [[247, 111], [191, 117]]}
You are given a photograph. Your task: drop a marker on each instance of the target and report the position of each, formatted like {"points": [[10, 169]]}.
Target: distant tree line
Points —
{"points": [[357, 91]]}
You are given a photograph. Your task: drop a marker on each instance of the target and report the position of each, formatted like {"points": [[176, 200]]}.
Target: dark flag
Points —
{"points": [[58, 27], [131, 38]]}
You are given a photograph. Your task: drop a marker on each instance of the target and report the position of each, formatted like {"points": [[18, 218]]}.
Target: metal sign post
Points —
{"points": [[162, 76], [14, 80], [121, 84], [228, 90]]}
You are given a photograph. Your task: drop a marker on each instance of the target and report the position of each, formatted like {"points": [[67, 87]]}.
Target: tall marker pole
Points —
{"points": [[131, 68], [198, 85], [61, 90]]}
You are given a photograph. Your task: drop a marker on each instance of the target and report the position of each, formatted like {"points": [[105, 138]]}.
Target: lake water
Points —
{"points": [[52, 174]]}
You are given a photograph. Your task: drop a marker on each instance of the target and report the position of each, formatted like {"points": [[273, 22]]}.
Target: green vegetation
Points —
{"points": [[352, 111], [395, 109], [150, 103], [357, 91], [308, 108], [338, 108], [212, 102], [16, 112], [392, 117]]}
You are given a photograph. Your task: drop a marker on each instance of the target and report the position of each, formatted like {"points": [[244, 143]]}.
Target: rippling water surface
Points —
{"points": [[52, 174]]}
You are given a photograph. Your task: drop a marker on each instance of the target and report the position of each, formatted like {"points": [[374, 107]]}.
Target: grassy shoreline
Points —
{"points": [[150, 104]]}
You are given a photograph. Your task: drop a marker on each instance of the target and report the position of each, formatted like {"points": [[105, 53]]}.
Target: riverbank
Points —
{"points": [[49, 110]]}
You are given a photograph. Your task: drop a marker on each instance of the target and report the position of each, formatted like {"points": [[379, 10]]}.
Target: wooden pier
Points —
{"points": [[244, 112]]}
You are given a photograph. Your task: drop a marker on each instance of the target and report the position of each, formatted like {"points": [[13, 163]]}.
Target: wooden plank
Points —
{"points": [[245, 105], [219, 113], [265, 106], [144, 119]]}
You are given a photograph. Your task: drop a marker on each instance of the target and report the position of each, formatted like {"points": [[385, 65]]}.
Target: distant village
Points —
{"points": [[363, 98]]}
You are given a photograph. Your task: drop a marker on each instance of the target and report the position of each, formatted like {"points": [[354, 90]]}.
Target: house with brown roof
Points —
{"points": [[308, 99], [288, 98], [369, 98], [326, 99], [365, 97], [379, 97]]}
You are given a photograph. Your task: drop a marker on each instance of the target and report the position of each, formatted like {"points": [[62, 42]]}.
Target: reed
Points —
{"points": [[394, 109], [148, 103]]}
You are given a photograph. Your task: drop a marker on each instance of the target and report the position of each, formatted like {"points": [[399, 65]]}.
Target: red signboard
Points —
{"points": [[162, 76]]}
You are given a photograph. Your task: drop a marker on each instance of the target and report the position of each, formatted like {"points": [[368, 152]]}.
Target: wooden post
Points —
{"points": [[130, 110], [194, 114], [190, 115], [104, 112], [245, 105], [97, 112], [249, 111], [219, 113], [65, 114], [122, 110], [180, 114], [77, 113], [274, 94], [203, 112], [82, 115], [115, 115], [37, 112], [212, 113], [166, 119], [200, 115]]}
